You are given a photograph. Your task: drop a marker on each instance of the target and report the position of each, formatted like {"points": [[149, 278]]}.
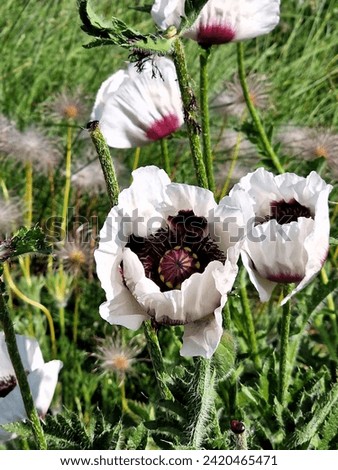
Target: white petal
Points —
{"points": [[185, 197], [109, 86], [123, 310], [244, 19], [256, 17], [29, 351], [130, 103], [202, 338], [144, 200], [264, 286], [277, 253], [42, 382], [166, 13]]}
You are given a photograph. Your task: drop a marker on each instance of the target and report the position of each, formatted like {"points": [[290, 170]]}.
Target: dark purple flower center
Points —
{"points": [[174, 253], [163, 127], [285, 212], [215, 34], [7, 384], [176, 265]]}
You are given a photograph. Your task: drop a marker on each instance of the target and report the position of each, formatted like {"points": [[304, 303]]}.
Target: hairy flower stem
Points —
{"points": [[106, 161], [165, 156], [33, 303], [283, 353], [157, 360], [203, 399], [190, 112], [204, 103], [253, 112], [249, 321], [241, 442], [33, 417]]}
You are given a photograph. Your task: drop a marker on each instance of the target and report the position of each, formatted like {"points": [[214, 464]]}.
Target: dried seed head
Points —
{"points": [[230, 101], [67, 105]]}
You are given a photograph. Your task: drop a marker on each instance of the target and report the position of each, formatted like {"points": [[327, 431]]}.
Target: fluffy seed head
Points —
{"points": [[67, 105], [114, 357], [10, 216], [230, 101]]}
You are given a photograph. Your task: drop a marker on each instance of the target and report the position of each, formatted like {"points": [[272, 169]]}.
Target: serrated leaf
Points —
{"points": [[138, 438], [24, 241], [323, 411], [117, 33]]}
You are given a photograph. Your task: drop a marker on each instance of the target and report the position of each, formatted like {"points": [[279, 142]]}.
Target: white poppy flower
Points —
{"points": [[167, 252], [288, 240], [135, 107], [221, 21], [42, 378]]}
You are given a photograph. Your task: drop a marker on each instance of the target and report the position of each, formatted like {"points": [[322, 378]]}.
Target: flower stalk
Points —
{"points": [[190, 112], [157, 360], [106, 161], [283, 354], [33, 417], [253, 112], [203, 402], [249, 321], [204, 103], [165, 156]]}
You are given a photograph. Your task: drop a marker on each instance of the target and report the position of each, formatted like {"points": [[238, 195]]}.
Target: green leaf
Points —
{"points": [[333, 241], [24, 241], [118, 33], [323, 412], [138, 438]]}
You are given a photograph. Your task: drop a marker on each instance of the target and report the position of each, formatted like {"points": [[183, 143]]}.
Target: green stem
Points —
{"points": [[33, 417], [157, 360], [190, 112], [204, 102], [234, 159], [241, 442], [253, 112], [283, 354], [76, 314], [34, 303], [165, 156], [203, 402], [106, 161], [249, 321], [67, 183], [226, 316], [136, 158]]}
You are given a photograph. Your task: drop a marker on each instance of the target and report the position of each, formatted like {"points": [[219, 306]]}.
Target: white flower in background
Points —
{"points": [[289, 239], [138, 107], [221, 21], [166, 254], [42, 378]]}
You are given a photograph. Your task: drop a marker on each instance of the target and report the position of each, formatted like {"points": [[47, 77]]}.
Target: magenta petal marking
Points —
{"points": [[215, 34], [285, 278], [163, 127]]}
